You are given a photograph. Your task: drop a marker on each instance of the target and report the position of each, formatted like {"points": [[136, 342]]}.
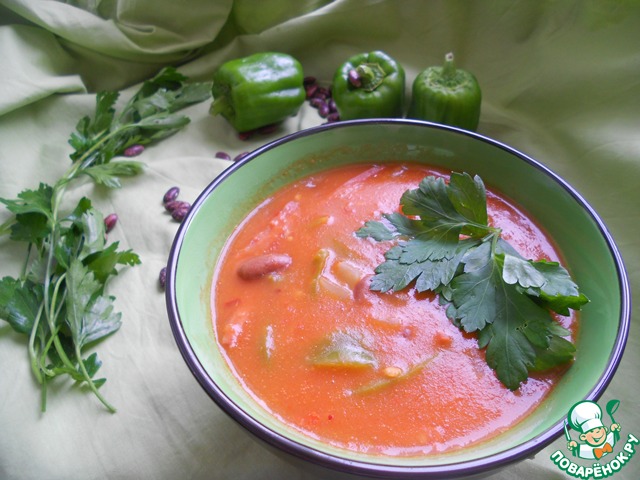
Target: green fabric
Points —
{"points": [[560, 82]]}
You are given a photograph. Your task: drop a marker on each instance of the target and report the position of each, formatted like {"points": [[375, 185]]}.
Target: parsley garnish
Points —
{"points": [[59, 301], [443, 243]]}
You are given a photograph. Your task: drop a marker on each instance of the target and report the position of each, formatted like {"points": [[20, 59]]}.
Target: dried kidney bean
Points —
{"points": [[171, 195], [133, 150], [162, 278], [176, 205], [240, 156], [179, 213], [110, 222], [177, 208], [354, 78], [319, 97], [311, 90]]}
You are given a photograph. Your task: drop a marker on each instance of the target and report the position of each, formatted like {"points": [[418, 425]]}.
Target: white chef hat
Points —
{"points": [[585, 416]]}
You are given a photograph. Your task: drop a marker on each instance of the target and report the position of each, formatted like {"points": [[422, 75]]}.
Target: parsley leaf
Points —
{"points": [[19, 303], [90, 314], [33, 214], [32, 201], [442, 242], [109, 174], [558, 292]]}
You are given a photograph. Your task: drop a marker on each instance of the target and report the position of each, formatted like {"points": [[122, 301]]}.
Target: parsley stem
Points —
{"points": [[43, 358], [49, 303], [54, 297], [79, 164], [25, 265], [54, 332], [35, 366], [490, 231], [495, 236], [89, 381], [43, 396]]}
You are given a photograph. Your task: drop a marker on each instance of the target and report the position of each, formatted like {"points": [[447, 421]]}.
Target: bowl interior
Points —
{"points": [[588, 250]]}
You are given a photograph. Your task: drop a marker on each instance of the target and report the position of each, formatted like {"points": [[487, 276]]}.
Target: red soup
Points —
{"points": [[412, 382]]}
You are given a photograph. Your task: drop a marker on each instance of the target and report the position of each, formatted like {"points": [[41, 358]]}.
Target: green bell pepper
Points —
{"points": [[258, 90], [446, 95], [369, 85]]}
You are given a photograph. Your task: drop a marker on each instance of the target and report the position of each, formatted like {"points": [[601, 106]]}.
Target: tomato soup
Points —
{"points": [[381, 373]]}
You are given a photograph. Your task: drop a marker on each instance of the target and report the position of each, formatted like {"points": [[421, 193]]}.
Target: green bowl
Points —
{"points": [[589, 251]]}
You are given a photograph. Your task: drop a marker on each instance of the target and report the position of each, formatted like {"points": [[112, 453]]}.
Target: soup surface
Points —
{"points": [[377, 373]]}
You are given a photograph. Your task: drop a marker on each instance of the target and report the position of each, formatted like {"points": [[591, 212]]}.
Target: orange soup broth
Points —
{"points": [[268, 328]]}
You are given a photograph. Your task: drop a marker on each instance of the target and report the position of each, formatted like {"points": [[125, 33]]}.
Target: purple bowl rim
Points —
{"points": [[367, 468]]}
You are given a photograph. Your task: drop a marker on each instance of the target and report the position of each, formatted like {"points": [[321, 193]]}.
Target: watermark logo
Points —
{"points": [[598, 446]]}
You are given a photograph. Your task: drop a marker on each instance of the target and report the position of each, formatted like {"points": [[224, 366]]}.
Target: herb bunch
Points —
{"points": [[443, 243], [59, 301]]}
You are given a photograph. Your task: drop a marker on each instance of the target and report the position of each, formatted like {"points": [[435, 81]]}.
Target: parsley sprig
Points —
{"points": [[59, 300], [443, 243]]}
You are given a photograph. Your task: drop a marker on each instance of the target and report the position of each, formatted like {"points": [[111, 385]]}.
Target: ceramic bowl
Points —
{"points": [[590, 254]]}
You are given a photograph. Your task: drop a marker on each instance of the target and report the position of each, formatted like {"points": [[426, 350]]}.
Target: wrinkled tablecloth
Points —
{"points": [[560, 81]]}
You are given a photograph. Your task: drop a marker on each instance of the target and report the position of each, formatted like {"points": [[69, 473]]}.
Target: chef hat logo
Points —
{"points": [[585, 416]]}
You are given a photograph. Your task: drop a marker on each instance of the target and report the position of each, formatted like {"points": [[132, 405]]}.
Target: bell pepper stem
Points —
{"points": [[449, 67], [218, 105], [371, 75]]}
